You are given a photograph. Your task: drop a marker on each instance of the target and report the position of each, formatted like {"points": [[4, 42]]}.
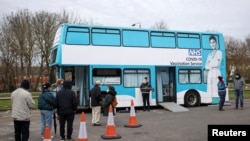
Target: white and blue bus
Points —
{"points": [[173, 61]]}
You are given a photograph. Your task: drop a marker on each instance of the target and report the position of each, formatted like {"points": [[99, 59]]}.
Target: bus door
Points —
{"points": [[82, 84], [165, 77]]}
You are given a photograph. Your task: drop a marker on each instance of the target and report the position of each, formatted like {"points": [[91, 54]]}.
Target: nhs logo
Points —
{"points": [[194, 52]]}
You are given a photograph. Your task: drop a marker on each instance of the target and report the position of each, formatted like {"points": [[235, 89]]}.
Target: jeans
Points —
{"points": [[21, 130], [238, 97], [222, 95], [69, 118], [46, 119]]}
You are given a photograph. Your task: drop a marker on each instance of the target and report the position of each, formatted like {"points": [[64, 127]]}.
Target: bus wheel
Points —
{"points": [[191, 99]]}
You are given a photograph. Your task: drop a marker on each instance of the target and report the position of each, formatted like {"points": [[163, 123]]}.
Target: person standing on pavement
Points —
{"points": [[239, 86], [66, 104], [59, 85], [145, 90], [221, 92], [96, 103], [22, 103], [46, 104], [109, 99]]}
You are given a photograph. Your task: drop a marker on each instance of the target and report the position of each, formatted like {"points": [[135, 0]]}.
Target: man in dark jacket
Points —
{"points": [[239, 86], [145, 90], [66, 104], [96, 99]]}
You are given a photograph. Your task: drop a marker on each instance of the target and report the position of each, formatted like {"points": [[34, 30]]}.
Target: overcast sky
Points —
{"points": [[231, 17]]}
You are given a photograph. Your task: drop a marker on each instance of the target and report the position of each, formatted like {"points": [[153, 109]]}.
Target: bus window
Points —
{"points": [[77, 36], [53, 55], [135, 38], [134, 77], [163, 39], [192, 76], [188, 40], [106, 37], [107, 76]]}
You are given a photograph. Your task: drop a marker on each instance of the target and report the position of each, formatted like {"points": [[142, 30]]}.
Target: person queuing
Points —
{"points": [[46, 104], [66, 105], [22, 103], [109, 100], [96, 103], [59, 85]]}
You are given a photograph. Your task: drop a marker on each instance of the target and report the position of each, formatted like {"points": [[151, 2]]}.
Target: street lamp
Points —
{"points": [[137, 24]]}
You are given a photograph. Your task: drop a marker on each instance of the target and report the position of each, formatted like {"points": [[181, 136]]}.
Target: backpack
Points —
{"points": [[114, 102]]}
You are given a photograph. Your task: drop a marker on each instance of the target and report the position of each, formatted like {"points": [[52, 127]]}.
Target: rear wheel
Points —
{"points": [[192, 99]]}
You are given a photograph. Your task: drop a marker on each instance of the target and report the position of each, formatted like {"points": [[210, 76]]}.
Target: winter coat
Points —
{"points": [[46, 101], [145, 88], [22, 103], [66, 101], [107, 101], [96, 97]]}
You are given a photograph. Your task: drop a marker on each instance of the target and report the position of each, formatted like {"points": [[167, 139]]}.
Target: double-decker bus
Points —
{"points": [[173, 61]]}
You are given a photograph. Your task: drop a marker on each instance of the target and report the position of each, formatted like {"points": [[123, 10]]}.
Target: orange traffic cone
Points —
{"points": [[82, 131], [132, 123], [110, 128], [47, 135]]}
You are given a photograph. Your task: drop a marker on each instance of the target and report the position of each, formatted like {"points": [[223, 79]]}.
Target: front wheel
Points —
{"points": [[192, 99]]}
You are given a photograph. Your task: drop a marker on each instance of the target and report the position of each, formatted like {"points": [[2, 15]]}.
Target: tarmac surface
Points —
{"points": [[157, 124]]}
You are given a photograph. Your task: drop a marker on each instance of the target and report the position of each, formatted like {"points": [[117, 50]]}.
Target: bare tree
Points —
{"points": [[26, 42], [7, 57], [160, 25], [237, 56]]}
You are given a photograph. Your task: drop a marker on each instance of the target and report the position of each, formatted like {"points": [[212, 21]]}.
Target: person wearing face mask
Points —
{"points": [[145, 90], [109, 98], [212, 66], [96, 103], [239, 85], [222, 92]]}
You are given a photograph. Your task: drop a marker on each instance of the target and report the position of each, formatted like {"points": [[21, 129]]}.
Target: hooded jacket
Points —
{"points": [[66, 101], [239, 82]]}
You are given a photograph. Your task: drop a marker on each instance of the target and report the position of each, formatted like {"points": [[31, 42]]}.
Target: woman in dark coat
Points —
{"points": [[111, 93]]}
